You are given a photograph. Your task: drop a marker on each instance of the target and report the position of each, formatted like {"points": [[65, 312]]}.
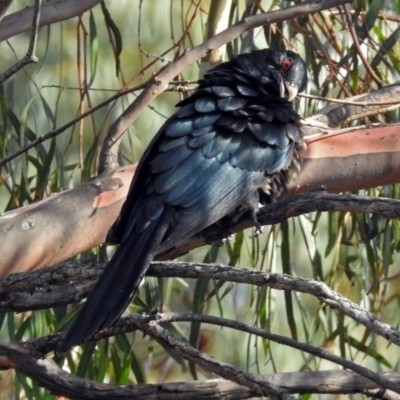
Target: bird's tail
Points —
{"points": [[118, 283]]}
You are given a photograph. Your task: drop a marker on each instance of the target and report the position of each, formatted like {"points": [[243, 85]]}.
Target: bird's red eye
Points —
{"points": [[286, 64]]}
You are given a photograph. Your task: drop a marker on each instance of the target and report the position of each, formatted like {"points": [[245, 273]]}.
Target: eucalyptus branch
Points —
{"points": [[150, 324], [32, 353], [52, 12], [4, 5], [30, 56], [353, 108], [28, 358], [218, 321], [288, 208], [208, 363], [34, 290]]}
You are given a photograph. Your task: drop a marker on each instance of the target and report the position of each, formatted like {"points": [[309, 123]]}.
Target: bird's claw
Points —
{"points": [[220, 243], [259, 230]]}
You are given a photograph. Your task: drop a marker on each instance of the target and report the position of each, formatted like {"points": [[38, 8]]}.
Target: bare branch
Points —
{"points": [[30, 56], [4, 5], [52, 12], [358, 47], [62, 225], [208, 363], [38, 289], [149, 324], [288, 208], [160, 334], [335, 114], [25, 359]]}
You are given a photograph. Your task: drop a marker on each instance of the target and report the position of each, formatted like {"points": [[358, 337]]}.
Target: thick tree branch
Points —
{"points": [[288, 208], [71, 222], [25, 359], [45, 288], [353, 159], [28, 358], [29, 362], [62, 225]]}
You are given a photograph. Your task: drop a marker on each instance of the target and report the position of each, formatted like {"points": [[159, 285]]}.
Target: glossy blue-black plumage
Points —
{"points": [[231, 137]]}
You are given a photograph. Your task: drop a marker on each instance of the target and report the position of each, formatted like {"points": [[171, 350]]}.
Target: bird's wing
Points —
{"points": [[222, 145]]}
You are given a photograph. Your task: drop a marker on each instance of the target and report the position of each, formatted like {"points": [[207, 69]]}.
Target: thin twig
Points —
{"points": [[61, 129], [227, 371], [349, 102], [316, 351], [358, 47]]}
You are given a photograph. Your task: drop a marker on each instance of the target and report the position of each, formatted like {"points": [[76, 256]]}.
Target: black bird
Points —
{"points": [[234, 138]]}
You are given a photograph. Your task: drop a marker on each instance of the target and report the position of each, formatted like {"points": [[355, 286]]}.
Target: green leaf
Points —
{"points": [[125, 370], [286, 267], [102, 356], [370, 19], [235, 250], [370, 351], [384, 48], [86, 359], [137, 370], [117, 36], [94, 48], [4, 115]]}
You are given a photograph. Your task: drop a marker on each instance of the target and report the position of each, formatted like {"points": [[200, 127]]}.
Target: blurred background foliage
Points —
{"points": [[120, 44]]}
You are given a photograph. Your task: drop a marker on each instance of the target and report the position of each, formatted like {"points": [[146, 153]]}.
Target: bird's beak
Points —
{"points": [[282, 86], [291, 90], [287, 89]]}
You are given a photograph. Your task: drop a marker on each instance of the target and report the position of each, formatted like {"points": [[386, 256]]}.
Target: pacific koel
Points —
{"points": [[230, 145]]}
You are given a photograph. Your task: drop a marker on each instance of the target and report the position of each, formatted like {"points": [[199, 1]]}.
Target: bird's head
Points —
{"points": [[279, 72]]}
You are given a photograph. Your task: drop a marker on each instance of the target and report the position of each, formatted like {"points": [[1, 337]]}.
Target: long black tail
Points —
{"points": [[118, 283]]}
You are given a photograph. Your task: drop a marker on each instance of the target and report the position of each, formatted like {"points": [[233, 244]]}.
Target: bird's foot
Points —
{"points": [[259, 230], [220, 243]]}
